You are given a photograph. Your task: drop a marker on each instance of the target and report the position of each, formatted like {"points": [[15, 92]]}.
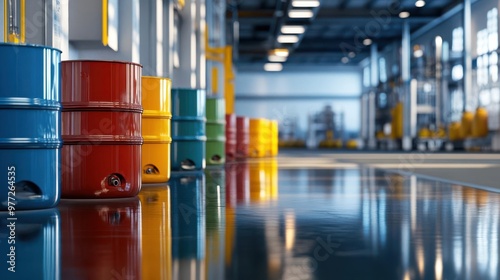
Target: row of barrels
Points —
{"points": [[119, 129]]}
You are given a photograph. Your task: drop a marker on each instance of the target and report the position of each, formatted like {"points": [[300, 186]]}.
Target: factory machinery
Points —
{"points": [[433, 92]]}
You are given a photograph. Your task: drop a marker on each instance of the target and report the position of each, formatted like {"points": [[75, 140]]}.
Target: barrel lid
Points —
{"points": [[30, 103], [103, 61], [156, 77], [2, 44]]}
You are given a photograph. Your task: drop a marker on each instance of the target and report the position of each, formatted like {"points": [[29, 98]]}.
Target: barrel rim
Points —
{"points": [[35, 46], [102, 61], [157, 78]]}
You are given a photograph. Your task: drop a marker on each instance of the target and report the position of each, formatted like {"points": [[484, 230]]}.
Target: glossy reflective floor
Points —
{"points": [[267, 219]]}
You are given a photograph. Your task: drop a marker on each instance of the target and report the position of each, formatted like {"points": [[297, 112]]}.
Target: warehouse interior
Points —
{"points": [[295, 139]]}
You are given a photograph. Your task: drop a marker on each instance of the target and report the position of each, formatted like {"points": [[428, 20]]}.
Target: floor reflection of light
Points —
{"points": [[420, 258], [289, 229], [438, 265], [494, 240], [457, 253], [382, 217], [413, 202]]}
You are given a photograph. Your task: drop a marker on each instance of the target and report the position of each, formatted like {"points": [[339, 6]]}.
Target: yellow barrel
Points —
{"points": [[454, 131], [424, 133], [156, 232], [480, 123], [397, 121], [274, 138], [466, 126], [259, 145], [156, 129]]}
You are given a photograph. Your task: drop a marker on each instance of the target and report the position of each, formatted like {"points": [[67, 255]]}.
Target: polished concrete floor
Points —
{"points": [[305, 215]]}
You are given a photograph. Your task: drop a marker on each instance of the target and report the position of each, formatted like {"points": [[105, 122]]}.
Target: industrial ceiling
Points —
{"points": [[335, 34]]}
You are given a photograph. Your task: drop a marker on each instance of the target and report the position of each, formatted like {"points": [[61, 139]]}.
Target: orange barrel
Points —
{"points": [[101, 239], [101, 129], [259, 145], [30, 127], [466, 125], [31, 239], [216, 131], [274, 138], [231, 140], [480, 123], [188, 130], [242, 136], [156, 129], [156, 232]]}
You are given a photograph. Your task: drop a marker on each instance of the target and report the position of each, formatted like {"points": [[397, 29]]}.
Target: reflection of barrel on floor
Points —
{"points": [[30, 132], [101, 129], [263, 180], [156, 232], [188, 130], [37, 235], [156, 129], [215, 221], [188, 224], [101, 239]]}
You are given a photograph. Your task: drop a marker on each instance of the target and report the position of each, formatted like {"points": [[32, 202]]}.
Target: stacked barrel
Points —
{"points": [[188, 130], [216, 131], [156, 129], [101, 129], [30, 130]]}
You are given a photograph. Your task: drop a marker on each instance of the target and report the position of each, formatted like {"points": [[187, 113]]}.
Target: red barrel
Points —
{"points": [[242, 136], [101, 129], [231, 140]]}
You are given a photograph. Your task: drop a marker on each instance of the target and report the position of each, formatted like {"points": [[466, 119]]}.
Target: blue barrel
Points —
{"points": [[188, 130], [30, 132]]}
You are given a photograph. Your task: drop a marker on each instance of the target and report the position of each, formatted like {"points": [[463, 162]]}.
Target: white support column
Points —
{"points": [[152, 34], [408, 106], [1, 21], [185, 75], [47, 23], [169, 38], [201, 28], [125, 12], [191, 72], [467, 52]]}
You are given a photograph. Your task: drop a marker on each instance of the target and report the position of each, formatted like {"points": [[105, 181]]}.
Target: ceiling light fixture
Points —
{"points": [[420, 3], [404, 14], [288, 39], [293, 29], [367, 41], [273, 67], [300, 14], [279, 52], [345, 60], [305, 3], [276, 58]]}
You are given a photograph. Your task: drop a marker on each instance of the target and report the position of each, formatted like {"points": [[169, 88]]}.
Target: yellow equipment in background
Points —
{"points": [[15, 21], [260, 136], [397, 121], [466, 125], [480, 123]]}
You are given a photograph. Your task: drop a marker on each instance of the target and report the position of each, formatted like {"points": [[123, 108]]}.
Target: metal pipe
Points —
{"points": [[467, 51], [408, 109], [439, 78], [13, 21]]}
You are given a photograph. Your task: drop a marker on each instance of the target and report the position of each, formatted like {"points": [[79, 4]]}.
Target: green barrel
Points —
{"points": [[216, 131]]}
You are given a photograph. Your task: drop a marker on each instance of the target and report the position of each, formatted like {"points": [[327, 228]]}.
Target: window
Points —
{"points": [[458, 40]]}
